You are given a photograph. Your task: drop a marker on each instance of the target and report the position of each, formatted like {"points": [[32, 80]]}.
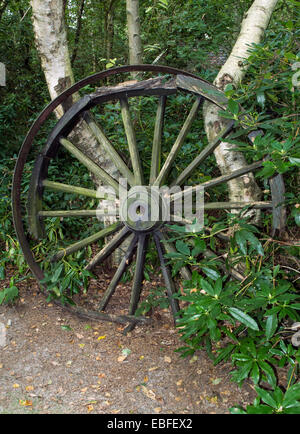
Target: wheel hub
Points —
{"points": [[143, 209]]}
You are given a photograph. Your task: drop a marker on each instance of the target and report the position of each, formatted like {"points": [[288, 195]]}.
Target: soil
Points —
{"points": [[54, 362]]}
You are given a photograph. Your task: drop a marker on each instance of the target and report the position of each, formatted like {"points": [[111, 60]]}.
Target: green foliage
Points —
{"points": [[273, 402], [245, 322], [66, 278]]}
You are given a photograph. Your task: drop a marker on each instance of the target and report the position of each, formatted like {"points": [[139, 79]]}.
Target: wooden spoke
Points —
{"points": [[218, 180], [169, 248], [66, 188], [109, 148], [139, 273], [75, 213], [131, 140], [109, 248], [237, 205], [157, 138], [119, 273], [91, 166], [178, 143], [86, 241], [171, 290], [202, 156]]}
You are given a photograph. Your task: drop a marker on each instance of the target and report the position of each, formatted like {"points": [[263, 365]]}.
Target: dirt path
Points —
{"points": [[56, 363]]}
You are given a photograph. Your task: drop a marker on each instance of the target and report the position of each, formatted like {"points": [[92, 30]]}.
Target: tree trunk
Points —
{"points": [[51, 41], [253, 27], [78, 31], [134, 32], [109, 28]]}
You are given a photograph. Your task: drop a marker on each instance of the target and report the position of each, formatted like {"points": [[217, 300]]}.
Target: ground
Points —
{"points": [[54, 362]]}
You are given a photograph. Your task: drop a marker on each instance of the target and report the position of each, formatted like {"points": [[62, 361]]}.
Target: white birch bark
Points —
{"points": [[51, 42], [52, 45], [253, 26], [134, 32]]}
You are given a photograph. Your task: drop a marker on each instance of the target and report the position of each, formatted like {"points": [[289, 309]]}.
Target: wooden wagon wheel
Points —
{"points": [[139, 229]]}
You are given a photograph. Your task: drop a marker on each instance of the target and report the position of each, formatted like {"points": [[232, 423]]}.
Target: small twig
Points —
{"points": [[25, 14], [290, 268]]}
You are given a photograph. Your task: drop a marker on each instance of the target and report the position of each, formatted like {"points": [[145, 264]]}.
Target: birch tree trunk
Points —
{"points": [[253, 26], [134, 32], [52, 45]]}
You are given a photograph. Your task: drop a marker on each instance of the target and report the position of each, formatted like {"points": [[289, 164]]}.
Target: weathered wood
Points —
{"points": [[157, 138], [178, 143], [109, 148], [108, 249], [138, 273], [200, 87], [203, 155], [66, 188], [73, 213], [237, 205], [157, 85], [131, 140], [94, 315], [86, 242], [170, 286], [118, 274], [91, 166], [278, 198], [218, 180], [34, 200]]}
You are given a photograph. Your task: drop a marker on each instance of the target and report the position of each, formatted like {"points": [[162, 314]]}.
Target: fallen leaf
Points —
{"points": [[215, 381], [81, 345], [79, 336], [90, 408], [29, 388], [157, 409], [25, 403], [146, 379], [167, 359], [126, 352], [212, 400], [179, 382], [142, 357], [66, 327], [16, 385], [122, 358], [149, 393], [101, 337]]}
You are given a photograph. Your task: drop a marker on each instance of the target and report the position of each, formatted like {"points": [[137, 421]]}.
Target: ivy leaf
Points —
{"points": [[243, 318]]}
